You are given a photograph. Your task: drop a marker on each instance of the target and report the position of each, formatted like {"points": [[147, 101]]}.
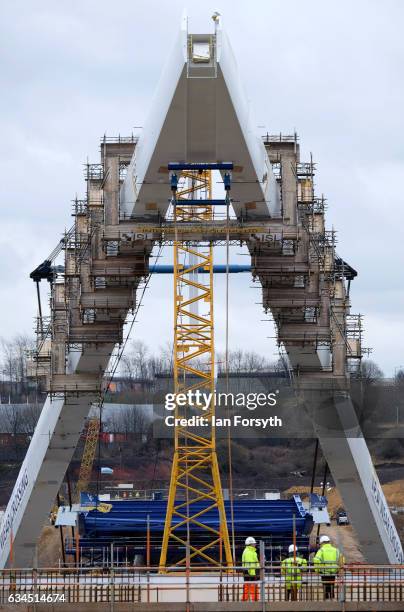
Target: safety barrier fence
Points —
{"points": [[353, 583]]}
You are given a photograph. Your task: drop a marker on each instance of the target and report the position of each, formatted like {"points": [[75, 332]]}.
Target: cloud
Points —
{"points": [[72, 71]]}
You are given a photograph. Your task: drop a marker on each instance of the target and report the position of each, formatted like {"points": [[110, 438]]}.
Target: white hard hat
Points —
{"points": [[292, 548], [324, 538], [249, 541]]}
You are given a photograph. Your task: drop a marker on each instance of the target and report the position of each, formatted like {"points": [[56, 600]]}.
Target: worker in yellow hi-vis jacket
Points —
{"points": [[327, 562], [250, 565], [292, 568]]}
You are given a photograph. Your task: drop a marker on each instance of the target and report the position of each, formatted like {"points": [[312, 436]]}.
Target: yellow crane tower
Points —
{"points": [[90, 448], [195, 487]]}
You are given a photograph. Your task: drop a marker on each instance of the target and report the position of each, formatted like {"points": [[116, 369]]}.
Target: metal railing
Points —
{"points": [[131, 139], [353, 583], [158, 493], [268, 138]]}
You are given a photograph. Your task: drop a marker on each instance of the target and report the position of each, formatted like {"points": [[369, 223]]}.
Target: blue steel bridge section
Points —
{"points": [[126, 524], [250, 516]]}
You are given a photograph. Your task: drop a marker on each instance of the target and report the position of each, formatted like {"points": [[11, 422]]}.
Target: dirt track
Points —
{"points": [[49, 549], [344, 538]]}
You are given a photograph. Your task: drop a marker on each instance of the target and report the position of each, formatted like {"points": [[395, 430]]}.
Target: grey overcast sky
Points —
{"points": [[72, 71]]}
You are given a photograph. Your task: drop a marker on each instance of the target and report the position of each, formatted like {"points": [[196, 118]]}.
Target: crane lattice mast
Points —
{"points": [[195, 487], [90, 448]]}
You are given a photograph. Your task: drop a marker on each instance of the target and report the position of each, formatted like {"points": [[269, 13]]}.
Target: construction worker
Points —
{"points": [[292, 568], [250, 565], [327, 562]]}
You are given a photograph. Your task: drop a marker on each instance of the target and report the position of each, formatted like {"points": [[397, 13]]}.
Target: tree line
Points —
{"points": [[139, 363]]}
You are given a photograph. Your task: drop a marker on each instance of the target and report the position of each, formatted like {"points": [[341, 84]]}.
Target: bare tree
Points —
{"points": [[13, 418], [246, 362], [130, 419], [13, 423], [253, 362], [135, 363], [14, 363], [166, 353], [31, 414], [369, 372], [399, 379], [8, 363]]}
